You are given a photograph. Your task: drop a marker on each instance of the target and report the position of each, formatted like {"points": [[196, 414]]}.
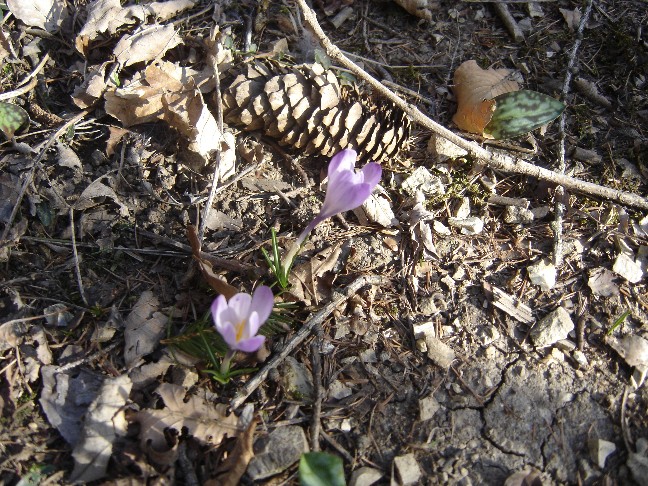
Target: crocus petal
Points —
{"points": [[240, 305], [341, 162], [262, 304], [348, 194], [371, 173], [228, 332], [217, 308], [250, 345]]}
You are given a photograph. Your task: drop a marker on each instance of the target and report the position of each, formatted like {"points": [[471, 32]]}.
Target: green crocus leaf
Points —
{"points": [[321, 469], [519, 112], [12, 117]]}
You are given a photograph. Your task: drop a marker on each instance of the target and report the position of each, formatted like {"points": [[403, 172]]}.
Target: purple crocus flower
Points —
{"points": [[346, 190], [239, 319]]}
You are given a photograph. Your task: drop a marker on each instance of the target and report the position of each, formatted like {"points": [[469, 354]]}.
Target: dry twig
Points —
{"points": [[494, 161], [559, 206]]}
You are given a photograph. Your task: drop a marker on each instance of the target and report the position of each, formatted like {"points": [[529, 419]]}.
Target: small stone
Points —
{"points": [[277, 452], [463, 209], [297, 380], [632, 348], [421, 345], [540, 212], [468, 226], [487, 335], [369, 356], [552, 328], [517, 215], [424, 329], [580, 358], [440, 228], [407, 469], [421, 180], [449, 281], [629, 269], [338, 390], [365, 476], [439, 352], [543, 274], [428, 406], [600, 450], [566, 345]]}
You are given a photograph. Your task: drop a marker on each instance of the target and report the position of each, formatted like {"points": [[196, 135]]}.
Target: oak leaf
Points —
{"points": [[207, 422]]}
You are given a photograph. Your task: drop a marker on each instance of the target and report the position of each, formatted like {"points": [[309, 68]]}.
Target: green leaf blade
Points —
{"points": [[520, 112], [12, 117], [321, 469]]}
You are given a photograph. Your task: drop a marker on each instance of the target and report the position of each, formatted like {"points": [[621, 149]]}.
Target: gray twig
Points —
{"points": [[75, 258], [559, 205], [213, 61], [299, 337], [316, 360]]}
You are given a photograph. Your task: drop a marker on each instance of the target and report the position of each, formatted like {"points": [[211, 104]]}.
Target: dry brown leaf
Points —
{"points": [[146, 45], [475, 89], [107, 16], [45, 14], [308, 281], [104, 423], [209, 423], [572, 17], [215, 281], [420, 8], [164, 91], [98, 189], [144, 327], [233, 468], [93, 87]]}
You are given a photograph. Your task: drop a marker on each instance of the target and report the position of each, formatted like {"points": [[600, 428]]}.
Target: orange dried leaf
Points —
{"points": [[215, 281], [475, 89]]}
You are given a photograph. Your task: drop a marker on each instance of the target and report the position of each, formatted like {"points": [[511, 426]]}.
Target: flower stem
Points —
{"points": [[227, 361]]}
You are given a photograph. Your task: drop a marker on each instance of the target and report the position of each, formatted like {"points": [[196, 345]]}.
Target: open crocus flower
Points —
{"points": [[239, 319], [346, 190]]}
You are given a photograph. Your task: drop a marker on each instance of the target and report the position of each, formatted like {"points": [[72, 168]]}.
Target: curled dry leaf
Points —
{"points": [[163, 91], [45, 14], [104, 423], [107, 16], [144, 327], [475, 89], [147, 44], [420, 8], [215, 281], [209, 423]]}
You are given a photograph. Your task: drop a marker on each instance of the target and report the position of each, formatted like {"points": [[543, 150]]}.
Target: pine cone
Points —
{"points": [[305, 107]]}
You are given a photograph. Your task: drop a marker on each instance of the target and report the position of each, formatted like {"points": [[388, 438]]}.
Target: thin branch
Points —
{"points": [[316, 361], [75, 258], [28, 83], [299, 338], [504, 163], [213, 61], [559, 206]]}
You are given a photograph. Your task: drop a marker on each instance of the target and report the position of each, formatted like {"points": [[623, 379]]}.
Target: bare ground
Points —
{"points": [[502, 405]]}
